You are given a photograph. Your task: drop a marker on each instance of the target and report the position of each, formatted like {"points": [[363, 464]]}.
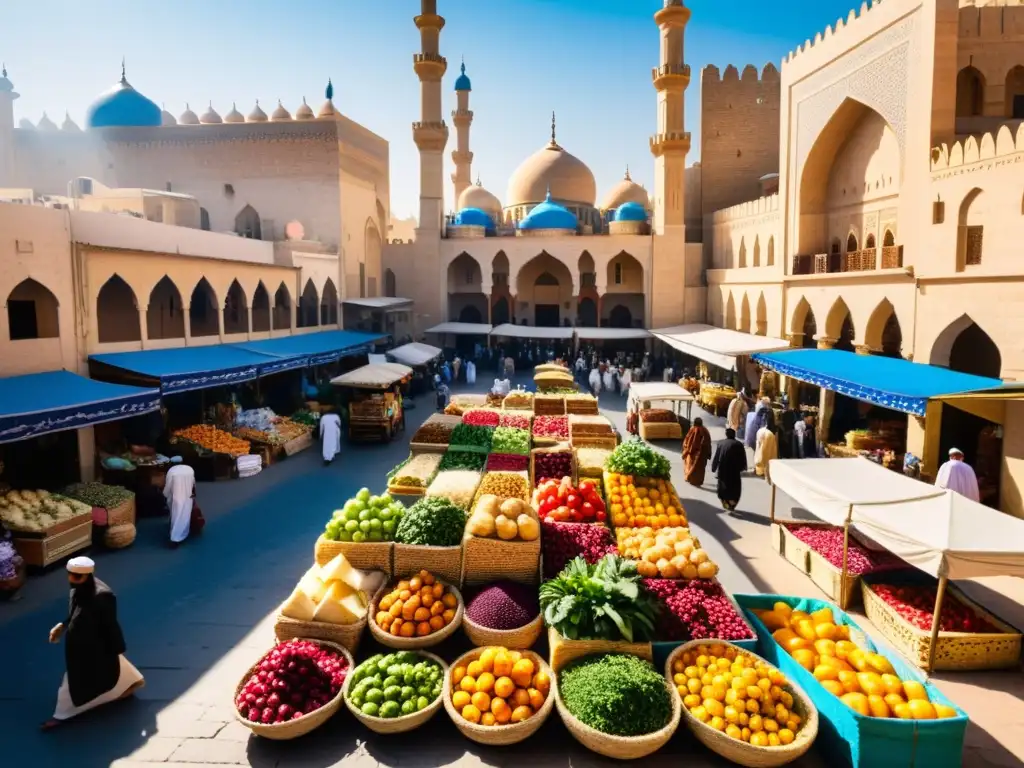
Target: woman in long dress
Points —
{"points": [[696, 452]]}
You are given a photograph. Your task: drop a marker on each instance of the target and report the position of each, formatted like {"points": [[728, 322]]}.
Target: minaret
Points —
{"points": [[671, 143], [463, 119], [7, 97], [430, 133]]}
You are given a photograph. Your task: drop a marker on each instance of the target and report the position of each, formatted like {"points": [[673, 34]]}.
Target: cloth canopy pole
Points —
{"points": [[940, 593], [771, 509], [846, 546]]}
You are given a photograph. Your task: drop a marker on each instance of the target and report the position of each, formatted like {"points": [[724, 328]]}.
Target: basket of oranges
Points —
{"points": [[740, 706], [417, 612], [497, 696]]}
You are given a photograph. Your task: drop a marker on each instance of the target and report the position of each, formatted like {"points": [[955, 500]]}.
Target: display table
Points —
{"points": [[46, 547]]}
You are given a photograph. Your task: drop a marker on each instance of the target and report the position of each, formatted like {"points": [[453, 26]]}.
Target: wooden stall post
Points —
{"points": [[939, 594], [771, 509], [846, 545]]}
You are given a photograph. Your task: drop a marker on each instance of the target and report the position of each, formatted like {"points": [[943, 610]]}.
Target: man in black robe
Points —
{"points": [[729, 464], [97, 671]]}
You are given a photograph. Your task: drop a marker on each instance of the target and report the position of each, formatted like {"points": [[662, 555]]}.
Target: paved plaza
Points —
{"points": [[196, 618]]}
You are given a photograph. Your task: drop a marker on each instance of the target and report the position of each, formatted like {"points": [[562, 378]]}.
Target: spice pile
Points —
{"points": [[505, 485], [437, 430], [503, 605], [416, 471]]}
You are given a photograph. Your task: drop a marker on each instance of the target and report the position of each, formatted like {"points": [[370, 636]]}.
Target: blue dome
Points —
{"points": [[473, 217], [123, 106], [630, 212], [462, 82], [549, 215]]}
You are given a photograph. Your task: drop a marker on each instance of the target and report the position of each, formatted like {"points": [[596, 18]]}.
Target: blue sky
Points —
{"points": [[588, 60]]}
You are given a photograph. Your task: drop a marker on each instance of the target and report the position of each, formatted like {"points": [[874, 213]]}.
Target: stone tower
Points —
{"points": [[463, 119], [671, 143], [7, 97], [430, 133]]}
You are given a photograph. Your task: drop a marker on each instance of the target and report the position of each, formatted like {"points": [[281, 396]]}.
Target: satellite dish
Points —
{"points": [[294, 230]]}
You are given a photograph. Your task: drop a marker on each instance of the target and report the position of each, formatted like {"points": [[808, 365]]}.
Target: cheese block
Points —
{"points": [[299, 606], [339, 606], [312, 585], [339, 568]]}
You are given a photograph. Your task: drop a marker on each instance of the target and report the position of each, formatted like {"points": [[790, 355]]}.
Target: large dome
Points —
{"points": [[626, 191], [475, 196], [552, 169], [123, 106]]}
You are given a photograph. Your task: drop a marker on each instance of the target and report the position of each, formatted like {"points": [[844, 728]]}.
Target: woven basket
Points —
{"points": [[122, 514], [564, 651], [406, 722], [485, 560], [956, 651], [293, 729], [521, 638], [619, 747], [498, 735], [592, 441], [415, 643], [444, 562], [740, 752], [119, 536], [428, 447], [406, 490], [366, 555]]}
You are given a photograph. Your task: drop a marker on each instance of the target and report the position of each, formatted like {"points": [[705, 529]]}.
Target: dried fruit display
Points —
{"points": [[503, 605], [828, 542], [551, 427], [481, 417], [519, 420], [212, 439], [507, 462], [697, 610], [505, 485], [437, 430]]}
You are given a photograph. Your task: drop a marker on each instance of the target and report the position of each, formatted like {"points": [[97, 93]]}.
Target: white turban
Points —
{"points": [[81, 565], [955, 452]]}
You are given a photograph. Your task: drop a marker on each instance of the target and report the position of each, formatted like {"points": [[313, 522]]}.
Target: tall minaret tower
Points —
{"points": [[7, 97], [671, 143], [430, 133], [463, 119]]}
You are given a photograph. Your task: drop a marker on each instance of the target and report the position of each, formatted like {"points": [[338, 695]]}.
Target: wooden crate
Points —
{"points": [[42, 552], [794, 550], [660, 430], [829, 579], [556, 448], [300, 443], [778, 540], [56, 528]]}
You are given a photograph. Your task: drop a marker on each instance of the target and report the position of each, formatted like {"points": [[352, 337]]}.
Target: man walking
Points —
{"points": [[729, 464], [180, 491], [957, 475], [97, 671], [330, 436]]}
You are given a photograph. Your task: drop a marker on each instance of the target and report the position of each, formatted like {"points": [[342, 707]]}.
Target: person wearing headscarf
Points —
{"points": [[595, 382], [736, 415], [756, 419], [766, 449], [96, 670], [624, 381], [180, 491], [729, 464], [696, 452], [456, 367], [957, 475], [805, 441], [330, 436], [609, 378]]}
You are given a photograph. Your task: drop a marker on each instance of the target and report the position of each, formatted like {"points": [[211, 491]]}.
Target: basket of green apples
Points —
{"points": [[362, 530]]}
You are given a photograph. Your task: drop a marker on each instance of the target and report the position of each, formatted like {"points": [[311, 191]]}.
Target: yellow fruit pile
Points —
{"points": [[499, 688], [669, 553], [736, 693], [416, 607], [865, 682], [638, 502]]}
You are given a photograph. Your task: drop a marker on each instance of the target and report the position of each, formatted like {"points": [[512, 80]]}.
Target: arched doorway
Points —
{"points": [[500, 313], [465, 287], [730, 313], [883, 333], [165, 316], [202, 311], [309, 306], [1014, 92], [329, 303], [390, 287], [970, 93], [586, 313], [117, 312], [236, 311], [970, 240], [261, 309], [839, 326], [544, 285], [373, 259], [247, 224], [282, 308], [546, 315], [804, 323], [626, 287], [32, 312], [620, 317], [470, 315]]}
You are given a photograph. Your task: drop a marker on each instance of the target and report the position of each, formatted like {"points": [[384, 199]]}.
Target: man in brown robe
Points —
{"points": [[696, 452]]}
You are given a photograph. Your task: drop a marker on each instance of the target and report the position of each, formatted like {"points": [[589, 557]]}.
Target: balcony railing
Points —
{"points": [[864, 260], [892, 256]]}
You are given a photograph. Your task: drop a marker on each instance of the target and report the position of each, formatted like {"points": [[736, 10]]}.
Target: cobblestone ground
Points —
{"points": [[196, 618]]}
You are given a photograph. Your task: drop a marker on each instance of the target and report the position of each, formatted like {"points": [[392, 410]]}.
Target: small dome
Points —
{"points": [[166, 118], [462, 81], [281, 113], [257, 115], [26, 125], [473, 217], [122, 105], [304, 112], [327, 108], [210, 116], [234, 116], [555, 171], [549, 215], [188, 117], [69, 125], [475, 196], [46, 124], [630, 212], [6, 86], [626, 191]]}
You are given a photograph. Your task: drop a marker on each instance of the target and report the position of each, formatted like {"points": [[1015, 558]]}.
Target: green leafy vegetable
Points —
{"points": [[635, 457], [603, 601], [434, 522], [616, 694], [467, 437], [511, 440], [463, 460]]}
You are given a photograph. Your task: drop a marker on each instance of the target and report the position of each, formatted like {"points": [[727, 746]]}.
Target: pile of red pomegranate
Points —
{"points": [[297, 677], [916, 604], [828, 542], [696, 610], [551, 426], [561, 542], [559, 502]]}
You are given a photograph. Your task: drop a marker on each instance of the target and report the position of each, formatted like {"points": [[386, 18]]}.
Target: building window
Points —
{"points": [[21, 315], [851, 243], [618, 274], [362, 281], [204, 219], [974, 244]]}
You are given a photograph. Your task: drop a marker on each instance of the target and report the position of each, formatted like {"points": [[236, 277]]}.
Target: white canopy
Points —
{"points": [[718, 346], [649, 391], [935, 530], [461, 329], [374, 376], [531, 332], [414, 353], [612, 333], [379, 302], [376, 359]]}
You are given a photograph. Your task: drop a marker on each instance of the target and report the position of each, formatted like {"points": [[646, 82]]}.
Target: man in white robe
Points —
{"points": [[766, 449], [736, 416], [330, 436], [179, 490], [957, 475]]}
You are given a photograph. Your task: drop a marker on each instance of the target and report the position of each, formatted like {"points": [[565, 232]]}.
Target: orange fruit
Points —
{"points": [[485, 682], [914, 690], [488, 718], [457, 674], [522, 673], [521, 698], [858, 702], [893, 700], [825, 630], [471, 713], [504, 687], [460, 699], [849, 682], [921, 709], [880, 664], [502, 664], [409, 628], [822, 616], [878, 707], [805, 657], [871, 683], [486, 658], [825, 647], [521, 713], [835, 661], [501, 710], [892, 684], [474, 669], [481, 701], [536, 698], [902, 711], [468, 684], [943, 711], [824, 672], [844, 648]]}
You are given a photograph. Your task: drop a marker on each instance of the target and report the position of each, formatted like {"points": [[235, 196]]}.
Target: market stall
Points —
{"points": [[461, 336], [657, 423], [389, 315], [374, 395]]}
